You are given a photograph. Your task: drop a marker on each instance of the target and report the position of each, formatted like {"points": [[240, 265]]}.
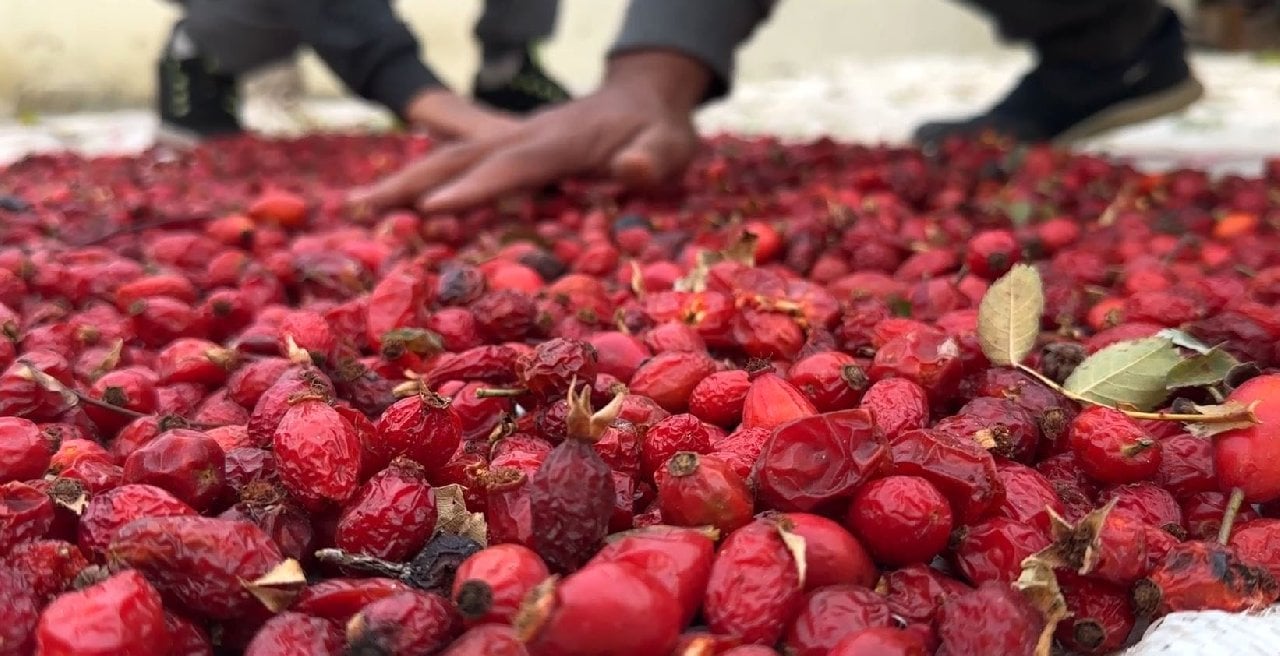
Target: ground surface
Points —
{"points": [[1233, 128]]}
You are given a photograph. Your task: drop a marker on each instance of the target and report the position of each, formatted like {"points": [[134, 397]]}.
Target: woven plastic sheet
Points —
{"points": [[1212, 633]]}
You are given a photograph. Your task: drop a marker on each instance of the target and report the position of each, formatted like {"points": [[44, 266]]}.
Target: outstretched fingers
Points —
{"points": [[515, 168], [404, 186]]}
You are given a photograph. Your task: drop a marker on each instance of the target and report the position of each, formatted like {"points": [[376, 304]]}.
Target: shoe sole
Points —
{"points": [[1131, 112]]}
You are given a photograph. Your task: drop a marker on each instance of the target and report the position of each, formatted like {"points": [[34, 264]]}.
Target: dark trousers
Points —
{"points": [[1094, 31], [242, 35]]}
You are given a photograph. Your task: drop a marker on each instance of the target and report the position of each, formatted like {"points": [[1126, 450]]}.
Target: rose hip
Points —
{"points": [[901, 520], [964, 472], [991, 619], [1245, 458], [422, 428], [820, 460], [832, 555], [1204, 576], [993, 550], [771, 401], [490, 584], [198, 563], [698, 490], [391, 516], [831, 613], [602, 608], [106, 513], [678, 559], [24, 453], [121, 616], [755, 588], [915, 592], [571, 495], [880, 641], [487, 640], [897, 405], [1112, 448], [718, 399], [1102, 616], [317, 453], [409, 622], [186, 463], [295, 634]]}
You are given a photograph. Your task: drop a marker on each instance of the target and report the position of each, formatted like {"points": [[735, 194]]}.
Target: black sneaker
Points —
{"points": [[528, 90], [1067, 102], [193, 99]]}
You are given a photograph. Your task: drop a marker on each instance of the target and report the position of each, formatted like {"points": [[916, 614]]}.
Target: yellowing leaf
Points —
{"points": [[1040, 586], [453, 517], [1129, 373], [1009, 316], [1208, 368], [1221, 418]]}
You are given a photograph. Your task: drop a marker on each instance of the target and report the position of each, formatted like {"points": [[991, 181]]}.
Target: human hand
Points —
{"points": [[448, 116], [636, 128]]}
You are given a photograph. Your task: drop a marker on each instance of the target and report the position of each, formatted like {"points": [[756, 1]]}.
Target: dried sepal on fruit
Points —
{"points": [[1040, 586], [278, 588]]}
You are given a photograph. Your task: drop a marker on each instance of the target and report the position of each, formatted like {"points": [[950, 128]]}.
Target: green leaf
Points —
{"points": [[1208, 368], [1019, 212], [1183, 340], [1009, 316], [1130, 373]]}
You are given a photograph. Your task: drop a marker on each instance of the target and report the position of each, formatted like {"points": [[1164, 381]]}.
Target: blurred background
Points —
{"points": [[863, 70]]}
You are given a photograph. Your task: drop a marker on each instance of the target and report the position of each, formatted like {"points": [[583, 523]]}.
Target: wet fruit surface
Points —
{"points": [[238, 415]]}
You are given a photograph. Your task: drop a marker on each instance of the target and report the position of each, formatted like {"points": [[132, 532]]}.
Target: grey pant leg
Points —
{"points": [[516, 22], [1100, 31], [240, 35]]}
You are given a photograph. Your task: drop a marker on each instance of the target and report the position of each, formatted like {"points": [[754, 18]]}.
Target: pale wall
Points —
{"points": [[74, 54]]}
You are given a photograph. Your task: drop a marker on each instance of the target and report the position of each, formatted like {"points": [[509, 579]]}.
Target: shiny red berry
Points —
{"points": [[121, 616], [698, 490], [901, 520], [1112, 448], [490, 585]]}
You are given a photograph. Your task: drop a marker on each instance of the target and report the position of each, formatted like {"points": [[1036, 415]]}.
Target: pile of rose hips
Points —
{"points": [[749, 418]]}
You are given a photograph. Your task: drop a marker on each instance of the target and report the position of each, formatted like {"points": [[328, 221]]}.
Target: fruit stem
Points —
{"points": [[500, 393], [361, 562], [1229, 515]]}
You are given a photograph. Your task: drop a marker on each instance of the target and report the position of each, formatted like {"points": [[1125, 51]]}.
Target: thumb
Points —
{"points": [[656, 154]]}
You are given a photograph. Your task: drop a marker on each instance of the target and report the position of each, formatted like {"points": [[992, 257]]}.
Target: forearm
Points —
{"points": [[366, 46], [708, 31]]}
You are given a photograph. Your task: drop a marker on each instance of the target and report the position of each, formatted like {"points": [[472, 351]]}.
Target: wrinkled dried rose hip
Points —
{"points": [[238, 415]]}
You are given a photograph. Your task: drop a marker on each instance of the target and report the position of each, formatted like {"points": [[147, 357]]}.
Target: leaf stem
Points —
{"points": [[498, 392], [75, 397], [1245, 414], [1030, 371], [1229, 515]]}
